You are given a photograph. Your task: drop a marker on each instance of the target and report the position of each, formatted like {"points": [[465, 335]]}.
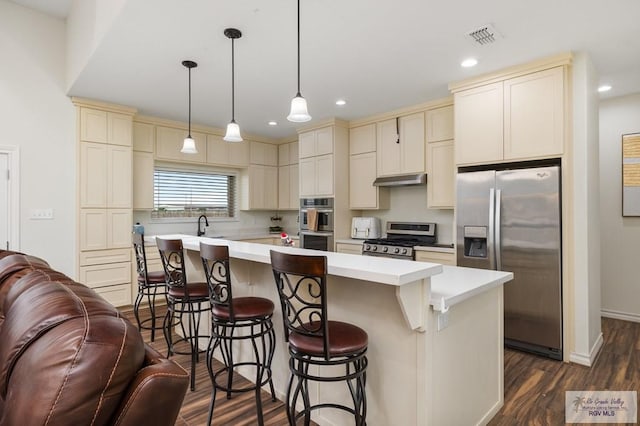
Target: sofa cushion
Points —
{"points": [[74, 366]]}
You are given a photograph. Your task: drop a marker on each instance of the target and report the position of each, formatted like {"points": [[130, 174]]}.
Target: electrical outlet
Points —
{"points": [[443, 320], [39, 214]]}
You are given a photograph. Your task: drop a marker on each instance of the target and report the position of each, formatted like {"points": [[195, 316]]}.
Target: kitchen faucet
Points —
{"points": [[206, 223]]}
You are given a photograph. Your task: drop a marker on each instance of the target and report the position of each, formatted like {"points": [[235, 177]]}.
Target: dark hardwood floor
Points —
{"points": [[534, 386]]}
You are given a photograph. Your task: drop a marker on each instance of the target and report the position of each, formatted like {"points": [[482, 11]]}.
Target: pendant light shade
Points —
{"points": [[189, 145], [299, 112], [233, 130]]}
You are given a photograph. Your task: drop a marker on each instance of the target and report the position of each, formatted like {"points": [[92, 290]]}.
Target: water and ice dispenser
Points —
{"points": [[475, 241]]}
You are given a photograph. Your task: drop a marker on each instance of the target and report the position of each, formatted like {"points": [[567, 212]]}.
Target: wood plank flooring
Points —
{"points": [[534, 386]]}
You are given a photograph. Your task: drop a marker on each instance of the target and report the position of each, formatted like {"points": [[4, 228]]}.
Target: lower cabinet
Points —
{"points": [[436, 257], [108, 272], [349, 248]]}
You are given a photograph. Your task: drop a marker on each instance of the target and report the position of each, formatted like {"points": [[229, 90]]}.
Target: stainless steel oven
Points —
{"points": [[324, 210], [316, 240]]}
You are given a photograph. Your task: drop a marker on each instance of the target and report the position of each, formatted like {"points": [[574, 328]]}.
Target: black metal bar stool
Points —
{"points": [[236, 319], [190, 299], [150, 284], [314, 340]]}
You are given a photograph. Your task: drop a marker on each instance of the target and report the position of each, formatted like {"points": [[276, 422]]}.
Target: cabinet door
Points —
{"points": [[307, 169], [478, 124], [217, 150], [119, 185], [324, 175], [284, 187], [439, 124], [283, 154], [441, 182], [349, 248], [238, 154], [143, 137], [362, 173], [263, 153], [436, 257], [120, 127], [293, 153], [294, 197], [270, 187], [412, 143], [169, 142], [307, 144], [388, 148], [93, 229], [534, 115], [256, 182], [142, 180], [118, 228], [93, 125], [362, 139], [93, 174], [324, 141]]}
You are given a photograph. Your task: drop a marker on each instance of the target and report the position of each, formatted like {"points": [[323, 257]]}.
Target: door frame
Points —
{"points": [[13, 152]]}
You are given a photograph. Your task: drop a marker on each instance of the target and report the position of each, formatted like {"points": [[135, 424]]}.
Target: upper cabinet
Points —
{"points": [[169, 142], [401, 145], [144, 136], [440, 161], [264, 153], [439, 124], [363, 170], [515, 119], [230, 154], [288, 182], [316, 142], [105, 127]]}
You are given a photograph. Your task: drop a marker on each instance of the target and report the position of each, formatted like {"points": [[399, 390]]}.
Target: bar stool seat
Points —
{"points": [[234, 320], [153, 277], [198, 290], [344, 339]]}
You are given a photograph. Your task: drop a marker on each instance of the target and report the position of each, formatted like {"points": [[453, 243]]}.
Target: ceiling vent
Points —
{"points": [[483, 35]]}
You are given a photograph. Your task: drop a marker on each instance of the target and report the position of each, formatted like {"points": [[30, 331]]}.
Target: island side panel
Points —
{"points": [[467, 370]]}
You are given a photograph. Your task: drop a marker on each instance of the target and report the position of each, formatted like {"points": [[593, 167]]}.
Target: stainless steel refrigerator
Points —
{"points": [[509, 220]]}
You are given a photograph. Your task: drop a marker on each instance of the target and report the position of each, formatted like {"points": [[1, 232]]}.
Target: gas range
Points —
{"points": [[401, 239]]}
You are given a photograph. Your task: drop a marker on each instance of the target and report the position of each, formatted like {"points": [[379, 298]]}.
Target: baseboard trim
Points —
{"points": [[588, 359], [625, 316]]}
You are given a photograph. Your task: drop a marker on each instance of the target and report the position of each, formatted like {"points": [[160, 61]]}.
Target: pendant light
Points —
{"points": [[299, 112], [189, 145], [233, 130]]}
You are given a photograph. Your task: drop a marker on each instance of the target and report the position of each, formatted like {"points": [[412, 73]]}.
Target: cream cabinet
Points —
{"points": [[142, 180], [439, 122], [260, 188], [441, 175], [105, 127], [102, 229], [263, 153], [228, 154], [288, 154], [144, 136], [516, 119], [363, 170], [169, 142], [288, 198], [315, 142], [436, 257], [105, 175], [355, 248], [316, 176], [401, 145]]}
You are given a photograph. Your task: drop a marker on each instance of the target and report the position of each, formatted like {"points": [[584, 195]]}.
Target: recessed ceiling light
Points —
{"points": [[468, 63], [273, 123], [341, 102], [604, 88]]}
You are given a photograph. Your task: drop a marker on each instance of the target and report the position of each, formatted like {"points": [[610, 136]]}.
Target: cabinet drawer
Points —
{"points": [[436, 257], [349, 248], [117, 295], [100, 257], [105, 275]]}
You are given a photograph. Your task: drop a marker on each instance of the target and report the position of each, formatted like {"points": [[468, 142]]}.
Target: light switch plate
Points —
{"points": [[39, 214]]}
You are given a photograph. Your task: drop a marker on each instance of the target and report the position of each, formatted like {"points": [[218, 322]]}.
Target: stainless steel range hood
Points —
{"points": [[403, 180]]}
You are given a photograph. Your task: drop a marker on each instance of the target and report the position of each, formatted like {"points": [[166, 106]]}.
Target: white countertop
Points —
{"points": [[456, 284], [395, 272]]}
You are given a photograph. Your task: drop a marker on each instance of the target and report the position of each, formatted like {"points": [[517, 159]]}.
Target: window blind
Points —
{"points": [[180, 193]]}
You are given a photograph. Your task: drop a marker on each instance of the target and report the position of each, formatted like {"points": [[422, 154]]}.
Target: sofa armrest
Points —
{"points": [[156, 393]]}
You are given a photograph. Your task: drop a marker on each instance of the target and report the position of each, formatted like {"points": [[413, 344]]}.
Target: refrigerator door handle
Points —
{"points": [[491, 240], [498, 225]]}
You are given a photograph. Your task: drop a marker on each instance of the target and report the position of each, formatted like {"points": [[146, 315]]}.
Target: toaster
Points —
{"points": [[365, 228]]}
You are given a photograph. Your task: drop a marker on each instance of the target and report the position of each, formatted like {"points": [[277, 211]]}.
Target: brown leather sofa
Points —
{"points": [[67, 357]]}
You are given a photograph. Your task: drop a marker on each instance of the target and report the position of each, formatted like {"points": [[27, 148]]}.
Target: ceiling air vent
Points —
{"points": [[483, 35]]}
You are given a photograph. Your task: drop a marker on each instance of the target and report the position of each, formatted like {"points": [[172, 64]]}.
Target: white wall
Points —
{"points": [[586, 217], [38, 118], [620, 236]]}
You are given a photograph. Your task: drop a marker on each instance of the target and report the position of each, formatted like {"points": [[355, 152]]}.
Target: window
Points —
{"points": [[181, 193]]}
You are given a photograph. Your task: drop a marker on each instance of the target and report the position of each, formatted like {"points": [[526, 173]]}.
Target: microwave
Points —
{"points": [[324, 214]]}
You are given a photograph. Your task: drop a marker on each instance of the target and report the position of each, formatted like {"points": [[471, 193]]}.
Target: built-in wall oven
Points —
{"points": [[318, 235]]}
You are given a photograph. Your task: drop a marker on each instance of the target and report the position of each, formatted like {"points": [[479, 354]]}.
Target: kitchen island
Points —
{"points": [[426, 366]]}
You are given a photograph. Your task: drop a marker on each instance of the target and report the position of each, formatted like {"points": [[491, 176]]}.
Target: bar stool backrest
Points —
{"points": [[172, 256], [302, 287], [215, 260], [141, 256]]}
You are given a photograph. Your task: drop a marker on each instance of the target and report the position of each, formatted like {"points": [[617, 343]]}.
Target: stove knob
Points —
{"points": [[385, 249], [374, 248], [404, 251], [367, 247], [397, 250]]}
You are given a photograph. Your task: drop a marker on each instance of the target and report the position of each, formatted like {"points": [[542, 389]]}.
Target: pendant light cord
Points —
{"points": [[298, 48], [233, 82], [189, 103]]}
